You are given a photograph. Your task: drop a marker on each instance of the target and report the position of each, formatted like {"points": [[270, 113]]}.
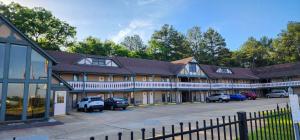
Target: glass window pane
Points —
{"points": [[0, 95], [17, 62], [51, 111], [39, 66], [2, 52], [14, 102], [36, 106]]}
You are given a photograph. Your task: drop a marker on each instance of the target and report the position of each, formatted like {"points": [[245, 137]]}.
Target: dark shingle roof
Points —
{"points": [[67, 62], [237, 73], [146, 66], [280, 70]]}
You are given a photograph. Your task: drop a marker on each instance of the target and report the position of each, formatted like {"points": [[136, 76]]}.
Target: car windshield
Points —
{"points": [[96, 99]]}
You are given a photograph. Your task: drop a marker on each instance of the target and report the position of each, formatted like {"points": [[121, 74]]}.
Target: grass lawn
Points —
{"points": [[273, 128]]}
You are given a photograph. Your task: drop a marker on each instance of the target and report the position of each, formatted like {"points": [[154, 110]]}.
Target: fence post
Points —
{"points": [[91, 138], [243, 129]]}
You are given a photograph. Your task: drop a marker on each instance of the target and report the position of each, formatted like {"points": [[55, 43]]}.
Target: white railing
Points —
{"points": [[101, 85], [186, 85], [154, 85], [174, 85]]}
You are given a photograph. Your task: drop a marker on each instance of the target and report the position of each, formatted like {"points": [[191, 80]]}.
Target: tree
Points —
{"points": [[287, 46], [214, 47], [195, 39], [254, 53], [134, 43], [40, 25], [94, 46], [168, 44]]}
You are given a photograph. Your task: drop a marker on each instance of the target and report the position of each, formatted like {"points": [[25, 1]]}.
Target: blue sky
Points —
{"points": [[236, 20]]}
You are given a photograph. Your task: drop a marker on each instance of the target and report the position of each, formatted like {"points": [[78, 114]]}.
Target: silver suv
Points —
{"points": [[277, 93], [218, 97]]}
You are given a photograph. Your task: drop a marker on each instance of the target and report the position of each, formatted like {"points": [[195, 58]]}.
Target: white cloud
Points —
{"points": [[139, 27]]}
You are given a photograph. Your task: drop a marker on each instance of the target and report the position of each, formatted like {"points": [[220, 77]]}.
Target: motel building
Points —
{"points": [[37, 84]]}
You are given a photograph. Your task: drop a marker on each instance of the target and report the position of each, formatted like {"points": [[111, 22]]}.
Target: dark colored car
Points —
{"points": [[237, 97], [113, 103], [250, 95]]}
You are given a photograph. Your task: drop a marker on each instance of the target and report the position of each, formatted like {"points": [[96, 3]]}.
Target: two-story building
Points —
{"points": [[36, 84], [144, 81]]}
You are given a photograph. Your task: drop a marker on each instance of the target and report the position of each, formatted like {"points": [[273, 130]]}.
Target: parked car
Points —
{"points": [[113, 103], [237, 97], [90, 104], [218, 97], [250, 95], [277, 93]]}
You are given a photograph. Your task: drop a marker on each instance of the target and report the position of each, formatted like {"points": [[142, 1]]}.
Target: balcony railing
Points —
{"points": [[102, 86]]}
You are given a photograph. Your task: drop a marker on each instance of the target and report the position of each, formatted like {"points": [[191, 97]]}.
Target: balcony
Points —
{"points": [[119, 86]]}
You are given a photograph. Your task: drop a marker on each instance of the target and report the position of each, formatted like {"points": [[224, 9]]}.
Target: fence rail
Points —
{"points": [[262, 125]]}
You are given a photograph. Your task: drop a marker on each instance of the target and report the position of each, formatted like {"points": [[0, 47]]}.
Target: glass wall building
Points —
{"points": [[25, 77]]}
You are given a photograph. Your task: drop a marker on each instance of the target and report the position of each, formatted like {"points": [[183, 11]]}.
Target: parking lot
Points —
{"points": [[80, 125]]}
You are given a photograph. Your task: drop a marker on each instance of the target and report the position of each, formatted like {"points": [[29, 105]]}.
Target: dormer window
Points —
{"points": [[224, 71], [192, 67], [98, 62]]}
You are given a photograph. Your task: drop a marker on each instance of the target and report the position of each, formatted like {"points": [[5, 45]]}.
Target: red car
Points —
{"points": [[250, 95]]}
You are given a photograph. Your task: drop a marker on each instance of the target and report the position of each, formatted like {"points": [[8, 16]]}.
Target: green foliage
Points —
{"points": [[40, 25], [168, 44], [287, 45], [134, 43], [254, 53], [208, 47]]}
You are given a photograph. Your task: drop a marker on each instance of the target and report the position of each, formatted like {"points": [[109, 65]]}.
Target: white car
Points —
{"points": [[277, 93], [90, 103]]}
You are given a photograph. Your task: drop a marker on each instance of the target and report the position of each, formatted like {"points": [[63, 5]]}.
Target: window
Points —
{"points": [[60, 98], [0, 95], [17, 62], [39, 66], [101, 78], [99, 62], [192, 67], [75, 77], [36, 106], [85, 78], [110, 78], [2, 52], [144, 79], [14, 102], [224, 71]]}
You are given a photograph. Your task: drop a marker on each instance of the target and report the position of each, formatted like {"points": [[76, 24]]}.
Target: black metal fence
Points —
{"points": [[262, 125]]}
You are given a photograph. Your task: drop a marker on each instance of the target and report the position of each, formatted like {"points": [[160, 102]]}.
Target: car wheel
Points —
{"points": [[85, 109], [124, 108], [268, 96], [100, 110], [220, 100], [281, 96], [207, 100], [112, 108]]}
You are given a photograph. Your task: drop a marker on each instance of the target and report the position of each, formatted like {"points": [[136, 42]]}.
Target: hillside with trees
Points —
{"points": [[167, 43]]}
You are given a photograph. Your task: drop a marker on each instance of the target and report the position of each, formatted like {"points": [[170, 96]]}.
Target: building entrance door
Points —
{"points": [[60, 103], [151, 98], [186, 96], [145, 98]]}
